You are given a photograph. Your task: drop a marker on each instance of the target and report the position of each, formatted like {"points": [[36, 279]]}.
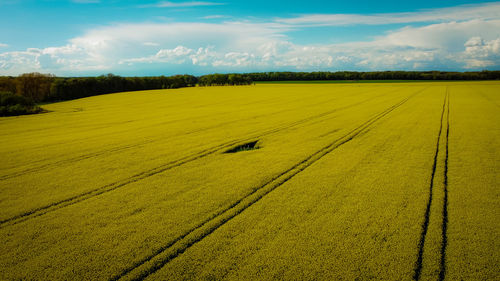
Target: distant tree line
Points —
{"points": [[377, 75], [46, 87], [73, 88], [38, 87], [224, 79]]}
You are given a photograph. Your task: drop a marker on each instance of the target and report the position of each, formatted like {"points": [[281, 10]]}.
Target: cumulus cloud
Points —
{"points": [[178, 55], [52, 59], [481, 53], [10, 60], [452, 45]]}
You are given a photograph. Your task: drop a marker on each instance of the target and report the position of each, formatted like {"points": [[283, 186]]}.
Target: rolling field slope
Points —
{"points": [[381, 181]]}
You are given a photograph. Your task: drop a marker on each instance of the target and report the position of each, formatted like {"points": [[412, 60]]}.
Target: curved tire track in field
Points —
{"points": [[159, 169], [425, 225], [152, 263], [142, 143]]}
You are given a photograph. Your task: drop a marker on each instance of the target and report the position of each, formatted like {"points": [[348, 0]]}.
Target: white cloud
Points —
{"points": [[179, 51], [483, 11], [437, 46], [152, 44], [16, 59], [236, 59], [122, 37], [2, 45], [252, 46], [52, 59], [200, 44], [451, 36], [169, 4], [214, 17], [177, 55], [481, 53]]}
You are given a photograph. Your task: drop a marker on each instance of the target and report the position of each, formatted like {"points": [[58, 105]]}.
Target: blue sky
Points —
{"points": [[93, 37]]}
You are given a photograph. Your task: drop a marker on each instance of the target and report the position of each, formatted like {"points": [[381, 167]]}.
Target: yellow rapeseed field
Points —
{"points": [[388, 181]]}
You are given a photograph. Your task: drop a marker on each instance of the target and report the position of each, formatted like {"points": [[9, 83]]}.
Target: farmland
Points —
{"points": [[390, 181]]}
